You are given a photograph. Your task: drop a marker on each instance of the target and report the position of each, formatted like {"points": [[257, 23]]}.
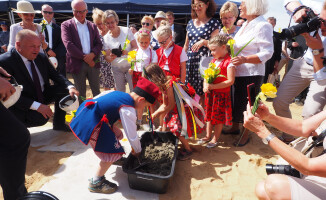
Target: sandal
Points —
{"points": [[211, 145], [202, 141]]}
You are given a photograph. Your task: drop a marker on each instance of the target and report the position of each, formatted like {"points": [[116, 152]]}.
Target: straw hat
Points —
{"points": [[25, 7], [160, 14]]}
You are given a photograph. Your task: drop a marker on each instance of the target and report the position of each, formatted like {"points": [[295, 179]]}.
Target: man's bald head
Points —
{"points": [[28, 44], [75, 3], [25, 34], [79, 10]]}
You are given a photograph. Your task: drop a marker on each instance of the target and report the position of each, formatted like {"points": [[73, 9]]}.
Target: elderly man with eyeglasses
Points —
{"points": [[82, 41]]}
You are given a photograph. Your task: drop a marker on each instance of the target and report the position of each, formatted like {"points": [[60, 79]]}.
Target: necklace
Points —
{"points": [[226, 30]]}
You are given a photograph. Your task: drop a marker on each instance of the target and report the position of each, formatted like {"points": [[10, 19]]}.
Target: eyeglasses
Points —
{"points": [[198, 5], [163, 42], [227, 18], [147, 24], [47, 12], [79, 11]]}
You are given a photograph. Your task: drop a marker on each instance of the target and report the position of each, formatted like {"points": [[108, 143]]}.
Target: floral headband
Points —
{"points": [[144, 31]]}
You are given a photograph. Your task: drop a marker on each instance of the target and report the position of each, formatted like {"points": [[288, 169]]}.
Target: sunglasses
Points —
{"points": [[147, 24], [48, 12], [198, 5], [79, 11], [164, 42]]}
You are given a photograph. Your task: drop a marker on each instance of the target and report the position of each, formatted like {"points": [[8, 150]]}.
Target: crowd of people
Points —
{"points": [[166, 67]]}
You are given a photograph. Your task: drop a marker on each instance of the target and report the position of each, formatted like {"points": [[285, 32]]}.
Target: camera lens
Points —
{"points": [[282, 169]]}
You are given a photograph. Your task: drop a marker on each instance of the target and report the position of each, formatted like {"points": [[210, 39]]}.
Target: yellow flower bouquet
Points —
{"points": [[267, 90], [231, 43], [43, 24], [212, 72], [126, 43], [131, 58], [70, 116]]}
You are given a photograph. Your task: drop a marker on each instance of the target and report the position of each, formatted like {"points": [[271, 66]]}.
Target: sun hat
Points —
{"points": [[25, 7], [160, 14]]}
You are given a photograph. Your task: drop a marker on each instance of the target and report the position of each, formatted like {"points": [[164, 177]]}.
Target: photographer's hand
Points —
{"points": [[254, 123], [315, 43], [300, 14]]}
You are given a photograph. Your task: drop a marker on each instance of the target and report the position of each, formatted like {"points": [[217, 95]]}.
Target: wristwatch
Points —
{"points": [[316, 52], [268, 138]]}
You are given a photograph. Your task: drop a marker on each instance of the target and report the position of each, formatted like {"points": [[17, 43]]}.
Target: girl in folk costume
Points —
{"points": [[145, 55], [171, 57], [94, 124], [217, 94], [182, 112]]}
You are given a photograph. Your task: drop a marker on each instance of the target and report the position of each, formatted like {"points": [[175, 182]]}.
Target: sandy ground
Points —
{"points": [[224, 172]]}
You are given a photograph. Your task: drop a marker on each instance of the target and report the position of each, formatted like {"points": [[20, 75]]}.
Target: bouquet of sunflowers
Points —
{"points": [[212, 72]]}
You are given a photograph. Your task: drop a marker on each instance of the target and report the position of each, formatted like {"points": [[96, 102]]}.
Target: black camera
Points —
{"points": [[282, 169], [308, 24]]}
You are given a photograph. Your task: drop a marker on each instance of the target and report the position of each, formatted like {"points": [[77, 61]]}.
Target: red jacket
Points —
{"points": [[173, 60], [224, 68]]}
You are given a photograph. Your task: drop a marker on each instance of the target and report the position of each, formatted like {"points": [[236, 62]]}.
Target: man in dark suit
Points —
{"points": [[83, 44], [14, 143], [33, 71], [272, 64], [53, 38], [177, 30]]}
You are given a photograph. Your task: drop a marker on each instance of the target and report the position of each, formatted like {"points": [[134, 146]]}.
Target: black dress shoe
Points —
{"points": [[63, 127]]}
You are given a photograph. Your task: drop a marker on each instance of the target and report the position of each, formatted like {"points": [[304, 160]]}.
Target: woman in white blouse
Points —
{"points": [[250, 63], [26, 12], [115, 38]]}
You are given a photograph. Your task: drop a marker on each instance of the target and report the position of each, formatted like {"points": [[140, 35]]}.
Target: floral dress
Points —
{"points": [[195, 34], [106, 76]]}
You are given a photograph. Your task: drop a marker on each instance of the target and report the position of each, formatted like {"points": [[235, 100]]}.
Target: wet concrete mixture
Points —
{"points": [[156, 158]]}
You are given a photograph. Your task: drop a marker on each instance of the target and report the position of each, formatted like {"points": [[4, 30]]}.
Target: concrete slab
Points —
{"points": [[71, 180]]}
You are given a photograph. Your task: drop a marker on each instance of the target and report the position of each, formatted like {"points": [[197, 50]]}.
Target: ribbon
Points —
{"points": [[182, 95]]}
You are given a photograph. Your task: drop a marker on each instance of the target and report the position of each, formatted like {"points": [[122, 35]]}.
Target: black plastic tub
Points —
{"points": [[145, 181]]}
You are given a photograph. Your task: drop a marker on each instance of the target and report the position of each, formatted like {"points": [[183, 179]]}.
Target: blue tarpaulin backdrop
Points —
{"points": [[120, 6]]}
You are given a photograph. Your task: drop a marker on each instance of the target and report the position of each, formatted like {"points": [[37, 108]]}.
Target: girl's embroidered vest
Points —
{"points": [[224, 68], [173, 60]]}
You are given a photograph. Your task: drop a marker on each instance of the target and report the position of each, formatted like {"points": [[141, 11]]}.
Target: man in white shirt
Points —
{"points": [[82, 41], [301, 74], [178, 32], [53, 38]]}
